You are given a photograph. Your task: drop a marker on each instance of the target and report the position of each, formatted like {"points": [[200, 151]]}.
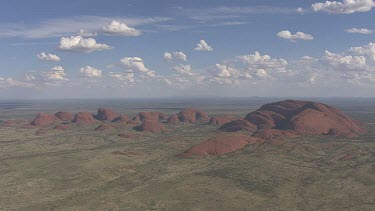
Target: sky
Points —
{"points": [[223, 48]]}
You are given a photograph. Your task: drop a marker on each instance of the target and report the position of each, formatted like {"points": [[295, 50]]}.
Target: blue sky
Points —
{"points": [[250, 48]]}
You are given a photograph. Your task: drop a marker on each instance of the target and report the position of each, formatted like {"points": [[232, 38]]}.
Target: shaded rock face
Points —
{"points": [[61, 127], [191, 115], [238, 125], [304, 117], [220, 145], [153, 126], [103, 127], [106, 114], [173, 119], [140, 117], [43, 119], [272, 134], [83, 118], [64, 116], [220, 120], [122, 118]]}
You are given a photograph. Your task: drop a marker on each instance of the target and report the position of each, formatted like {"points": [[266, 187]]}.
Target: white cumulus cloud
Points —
{"points": [[293, 37], [300, 10], [10, 82], [80, 44], [254, 67], [48, 57], [365, 50], [183, 69], [91, 72], [85, 33], [344, 7], [345, 62], [223, 71], [360, 31], [178, 55], [120, 29], [125, 77], [55, 73], [203, 46], [136, 64]]}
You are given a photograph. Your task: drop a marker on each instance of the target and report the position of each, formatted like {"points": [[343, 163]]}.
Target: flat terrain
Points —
{"points": [[83, 169]]}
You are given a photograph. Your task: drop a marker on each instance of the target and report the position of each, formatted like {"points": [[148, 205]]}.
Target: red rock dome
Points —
{"points": [[64, 116], [220, 145], [141, 116], [84, 118], [122, 118], [151, 126], [43, 119], [191, 115], [106, 114], [173, 119], [303, 117]]}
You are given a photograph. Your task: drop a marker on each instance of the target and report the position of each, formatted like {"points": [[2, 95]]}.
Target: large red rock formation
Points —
{"points": [[173, 119], [272, 134], [220, 145], [83, 118], [43, 119], [238, 125], [304, 117], [220, 120], [122, 118], [64, 116], [151, 126], [106, 114], [141, 116], [192, 115]]}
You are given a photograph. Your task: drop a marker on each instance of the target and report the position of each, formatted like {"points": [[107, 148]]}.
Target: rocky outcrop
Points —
{"points": [[191, 115], [303, 118], [153, 126], [141, 116], [64, 116], [43, 119], [106, 114], [122, 118], [84, 118], [220, 145], [173, 119]]}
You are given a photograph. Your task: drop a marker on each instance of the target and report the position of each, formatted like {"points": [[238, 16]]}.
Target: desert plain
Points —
{"points": [[110, 165]]}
